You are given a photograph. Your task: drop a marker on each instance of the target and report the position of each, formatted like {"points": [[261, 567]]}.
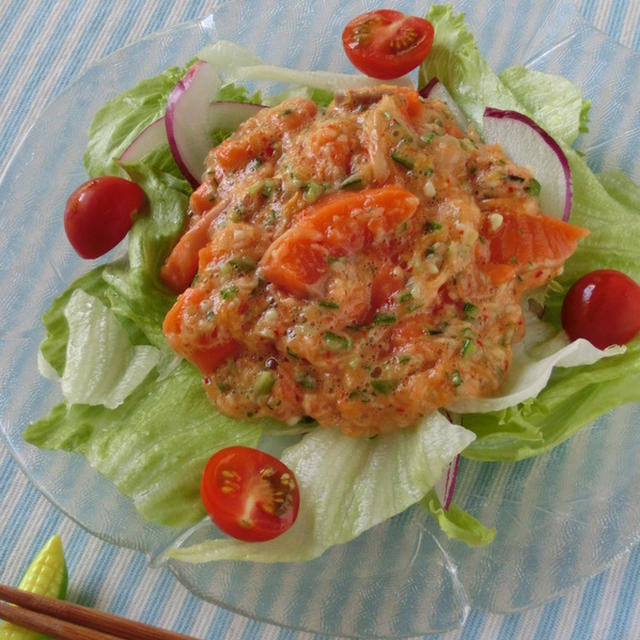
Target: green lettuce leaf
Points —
{"points": [[622, 188], [121, 119], [150, 447], [457, 524], [53, 349], [378, 478], [554, 100], [154, 235], [231, 92], [456, 61], [572, 399], [102, 366]]}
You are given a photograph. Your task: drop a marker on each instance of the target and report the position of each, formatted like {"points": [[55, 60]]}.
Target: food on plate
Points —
{"points": [[604, 307], [386, 44], [100, 213], [361, 265], [46, 575], [249, 494], [340, 248]]}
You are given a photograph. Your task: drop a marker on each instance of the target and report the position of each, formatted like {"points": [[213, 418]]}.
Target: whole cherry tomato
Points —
{"points": [[604, 307], [386, 44], [249, 494], [100, 212]]}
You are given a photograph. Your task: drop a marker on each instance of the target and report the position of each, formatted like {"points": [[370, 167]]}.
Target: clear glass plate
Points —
{"points": [[560, 517]]}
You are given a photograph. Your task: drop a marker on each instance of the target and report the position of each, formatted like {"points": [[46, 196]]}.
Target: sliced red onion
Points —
{"points": [[526, 143], [149, 139], [435, 89], [192, 115], [444, 488]]}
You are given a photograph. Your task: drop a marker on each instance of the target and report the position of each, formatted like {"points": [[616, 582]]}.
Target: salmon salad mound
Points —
{"points": [[360, 265]]}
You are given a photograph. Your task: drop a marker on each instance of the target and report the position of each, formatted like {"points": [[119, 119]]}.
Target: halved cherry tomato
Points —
{"points": [[386, 44], [99, 214], [249, 494], [604, 307]]}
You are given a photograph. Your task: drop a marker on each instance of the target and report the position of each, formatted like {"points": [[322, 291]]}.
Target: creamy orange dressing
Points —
{"points": [[360, 266]]}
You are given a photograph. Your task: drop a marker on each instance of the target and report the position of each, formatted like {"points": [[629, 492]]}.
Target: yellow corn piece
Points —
{"points": [[46, 575]]}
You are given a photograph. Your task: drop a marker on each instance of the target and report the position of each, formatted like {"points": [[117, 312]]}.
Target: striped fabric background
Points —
{"points": [[44, 45]]}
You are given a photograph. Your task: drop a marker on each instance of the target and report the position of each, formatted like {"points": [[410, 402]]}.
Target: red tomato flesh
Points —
{"points": [[249, 494], [386, 44], [100, 213], [604, 307]]}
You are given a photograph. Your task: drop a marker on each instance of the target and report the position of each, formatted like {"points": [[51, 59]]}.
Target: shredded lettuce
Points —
{"points": [[102, 366], [457, 524], [238, 63], [534, 360], [348, 485]]}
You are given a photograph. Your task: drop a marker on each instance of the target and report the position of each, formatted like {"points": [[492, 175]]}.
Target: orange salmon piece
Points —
{"points": [[207, 352], [534, 240], [384, 284], [256, 135], [202, 199], [181, 264], [336, 225]]}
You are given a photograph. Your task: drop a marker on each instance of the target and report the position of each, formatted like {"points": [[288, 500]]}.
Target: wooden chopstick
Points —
{"points": [[67, 621]]}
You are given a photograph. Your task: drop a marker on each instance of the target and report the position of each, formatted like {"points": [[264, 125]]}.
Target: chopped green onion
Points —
{"points": [[456, 378], [328, 304], [467, 347], [384, 386], [312, 191], [306, 380], [351, 182], [229, 293], [272, 218], [335, 342], [238, 213], [534, 188], [242, 264], [440, 329], [406, 162], [267, 187], [431, 226], [469, 309], [264, 383], [254, 188], [384, 318], [293, 354]]}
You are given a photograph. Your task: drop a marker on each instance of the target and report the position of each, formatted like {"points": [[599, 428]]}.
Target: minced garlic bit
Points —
{"points": [[495, 221], [429, 189]]}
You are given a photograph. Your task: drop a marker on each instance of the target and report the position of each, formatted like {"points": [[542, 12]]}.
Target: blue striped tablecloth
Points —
{"points": [[44, 45]]}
